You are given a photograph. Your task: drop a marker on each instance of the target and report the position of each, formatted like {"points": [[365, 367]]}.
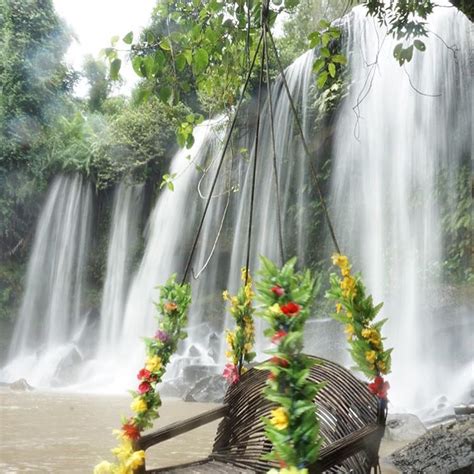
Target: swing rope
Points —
{"points": [[221, 161], [264, 36]]}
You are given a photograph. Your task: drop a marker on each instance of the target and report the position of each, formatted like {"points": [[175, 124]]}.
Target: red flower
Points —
{"points": [[143, 374], [278, 291], [272, 376], [291, 308], [379, 387], [231, 373], [278, 336], [144, 387], [279, 361], [131, 431]]}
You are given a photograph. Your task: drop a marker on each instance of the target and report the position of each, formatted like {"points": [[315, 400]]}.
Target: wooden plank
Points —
{"points": [[180, 427], [364, 439]]}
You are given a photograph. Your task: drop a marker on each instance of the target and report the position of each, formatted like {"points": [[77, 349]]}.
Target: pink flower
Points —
{"points": [[278, 291], [161, 336], [144, 387], [231, 373], [291, 309], [278, 336]]}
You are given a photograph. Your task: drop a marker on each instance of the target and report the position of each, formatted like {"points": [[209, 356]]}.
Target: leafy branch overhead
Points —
{"points": [[199, 53]]}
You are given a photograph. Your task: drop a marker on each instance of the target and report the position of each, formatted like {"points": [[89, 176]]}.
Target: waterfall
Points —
{"points": [[51, 317], [122, 247], [400, 129]]}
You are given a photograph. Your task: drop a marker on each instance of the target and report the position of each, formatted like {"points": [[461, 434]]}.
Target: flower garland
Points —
{"points": [[357, 312], [173, 305], [293, 427], [241, 340]]}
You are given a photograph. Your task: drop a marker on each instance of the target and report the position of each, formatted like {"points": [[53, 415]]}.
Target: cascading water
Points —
{"points": [[127, 207], [400, 129], [51, 315]]}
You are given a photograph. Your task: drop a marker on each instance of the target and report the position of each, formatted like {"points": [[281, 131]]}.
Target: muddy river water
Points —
{"points": [[58, 432]]}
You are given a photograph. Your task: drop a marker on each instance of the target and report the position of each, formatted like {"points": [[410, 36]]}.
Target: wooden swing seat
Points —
{"points": [[352, 424]]}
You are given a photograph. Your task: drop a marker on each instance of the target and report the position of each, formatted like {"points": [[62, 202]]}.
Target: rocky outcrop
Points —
{"points": [[447, 448]]}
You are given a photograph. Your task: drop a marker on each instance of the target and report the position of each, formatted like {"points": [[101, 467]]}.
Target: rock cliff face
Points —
{"points": [[448, 448]]}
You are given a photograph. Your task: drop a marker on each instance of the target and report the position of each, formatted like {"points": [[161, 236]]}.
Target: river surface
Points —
{"points": [[54, 432], [62, 432]]}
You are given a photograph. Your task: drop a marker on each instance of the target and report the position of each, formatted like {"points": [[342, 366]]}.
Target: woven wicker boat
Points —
{"points": [[352, 423]]}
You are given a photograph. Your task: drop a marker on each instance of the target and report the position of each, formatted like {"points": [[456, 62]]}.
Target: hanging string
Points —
{"points": [[305, 145], [221, 161], [254, 170], [274, 155]]}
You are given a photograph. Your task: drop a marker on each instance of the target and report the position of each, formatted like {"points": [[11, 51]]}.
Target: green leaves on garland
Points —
{"points": [[293, 426], [173, 308]]}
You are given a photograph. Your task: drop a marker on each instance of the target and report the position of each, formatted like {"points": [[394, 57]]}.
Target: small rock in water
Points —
{"points": [[211, 389], [447, 448], [20, 385], [403, 427]]}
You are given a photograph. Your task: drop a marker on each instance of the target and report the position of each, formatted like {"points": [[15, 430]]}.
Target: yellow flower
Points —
{"points": [[341, 261], [248, 347], [234, 301], [248, 292], [382, 367], [153, 364], [349, 315], [366, 333], [348, 287], [139, 405], [123, 469], [338, 307], [226, 295], [230, 338], [279, 418], [123, 451], [371, 356], [104, 467], [244, 272], [136, 460], [275, 309], [349, 330]]}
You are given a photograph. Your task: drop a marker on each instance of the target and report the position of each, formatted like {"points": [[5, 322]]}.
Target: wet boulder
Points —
{"points": [[210, 389], [20, 385], [403, 427]]}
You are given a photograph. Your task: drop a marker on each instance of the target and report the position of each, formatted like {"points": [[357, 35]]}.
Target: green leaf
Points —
{"points": [[321, 80], [115, 69], [325, 53], [419, 45], [137, 65], [318, 64], [323, 24], [165, 44], [165, 93], [339, 59], [180, 62], [200, 60], [128, 38], [332, 69]]}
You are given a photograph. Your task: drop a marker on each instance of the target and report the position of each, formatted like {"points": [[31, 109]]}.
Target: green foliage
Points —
{"points": [[95, 72], [241, 340], [293, 427], [357, 311], [173, 317], [458, 224], [134, 143]]}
